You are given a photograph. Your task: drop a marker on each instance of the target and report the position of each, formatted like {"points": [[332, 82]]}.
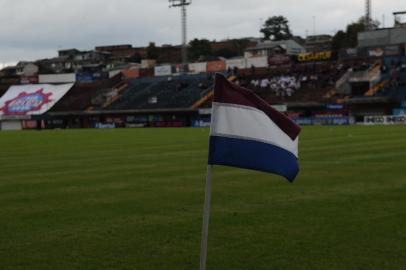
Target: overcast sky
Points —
{"points": [[32, 29]]}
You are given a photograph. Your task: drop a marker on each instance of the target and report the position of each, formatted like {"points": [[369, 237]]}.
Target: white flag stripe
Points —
{"points": [[249, 123]]}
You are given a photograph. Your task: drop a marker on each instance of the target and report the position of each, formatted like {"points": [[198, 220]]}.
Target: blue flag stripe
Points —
{"points": [[253, 155]]}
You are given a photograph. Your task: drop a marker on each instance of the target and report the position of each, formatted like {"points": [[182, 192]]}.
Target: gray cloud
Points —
{"points": [[31, 29]]}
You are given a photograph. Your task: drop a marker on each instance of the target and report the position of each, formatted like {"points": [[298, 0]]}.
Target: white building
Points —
{"points": [[266, 47]]}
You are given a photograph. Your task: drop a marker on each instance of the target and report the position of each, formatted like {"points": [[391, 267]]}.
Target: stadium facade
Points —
{"points": [[116, 86]]}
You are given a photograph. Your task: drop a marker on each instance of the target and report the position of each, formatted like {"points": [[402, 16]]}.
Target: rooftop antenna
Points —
{"points": [[182, 4]]}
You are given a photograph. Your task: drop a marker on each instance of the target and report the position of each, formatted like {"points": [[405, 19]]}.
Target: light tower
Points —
{"points": [[368, 19], [182, 4]]}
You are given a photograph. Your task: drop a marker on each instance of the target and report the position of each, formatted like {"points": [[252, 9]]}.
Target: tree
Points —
{"points": [[199, 48], [225, 52], [152, 51], [240, 45], [276, 28], [373, 23], [339, 41], [349, 37], [136, 58]]}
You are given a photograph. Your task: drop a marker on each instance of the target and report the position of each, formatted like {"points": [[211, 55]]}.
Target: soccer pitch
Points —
{"points": [[133, 199]]}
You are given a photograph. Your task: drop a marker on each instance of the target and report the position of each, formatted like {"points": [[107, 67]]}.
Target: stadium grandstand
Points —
{"points": [[313, 87]]}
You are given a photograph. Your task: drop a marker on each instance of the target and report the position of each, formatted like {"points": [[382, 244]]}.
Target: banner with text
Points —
{"points": [[315, 56], [385, 120], [32, 99]]}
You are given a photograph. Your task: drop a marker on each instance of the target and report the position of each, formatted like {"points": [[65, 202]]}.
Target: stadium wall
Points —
{"points": [[57, 78], [258, 62], [382, 37], [11, 125], [198, 67], [216, 66], [165, 70], [240, 63]]}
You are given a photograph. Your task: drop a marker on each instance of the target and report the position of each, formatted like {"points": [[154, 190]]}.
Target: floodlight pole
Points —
{"points": [[182, 4], [368, 19], [184, 39]]}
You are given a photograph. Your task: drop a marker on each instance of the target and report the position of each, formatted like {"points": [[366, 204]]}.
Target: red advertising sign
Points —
{"points": [[29, 80]]}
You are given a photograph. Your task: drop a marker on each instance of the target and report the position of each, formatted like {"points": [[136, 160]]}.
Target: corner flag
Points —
{"points": [[247, 132]]}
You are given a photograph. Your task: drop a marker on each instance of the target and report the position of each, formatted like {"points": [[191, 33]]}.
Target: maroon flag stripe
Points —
{"points": [[227, 92]]}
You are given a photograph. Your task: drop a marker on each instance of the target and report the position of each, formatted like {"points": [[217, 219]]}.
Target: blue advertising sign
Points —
{"points": [[201, 123], [84, 77], [335, 106], [399, 111], [333, 121], [104, 125], [303, 121]]}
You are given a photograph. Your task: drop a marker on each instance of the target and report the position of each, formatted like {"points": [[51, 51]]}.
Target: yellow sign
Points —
{"points": [[314, 56]]}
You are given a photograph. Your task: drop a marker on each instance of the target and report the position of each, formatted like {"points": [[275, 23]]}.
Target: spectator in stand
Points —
{"points": [[235, 71], [264, 83], [229, 71], [255, 83], [253, 70]]}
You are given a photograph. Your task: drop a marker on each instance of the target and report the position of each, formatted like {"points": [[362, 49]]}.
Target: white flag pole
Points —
{"points": [[206, 216]]}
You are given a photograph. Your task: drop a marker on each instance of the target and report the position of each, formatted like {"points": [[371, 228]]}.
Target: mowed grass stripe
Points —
{"points": [[132, 199]]}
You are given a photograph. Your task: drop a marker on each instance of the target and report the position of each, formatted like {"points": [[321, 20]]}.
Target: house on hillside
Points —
{"points": [[318, 43], [267, 47]]}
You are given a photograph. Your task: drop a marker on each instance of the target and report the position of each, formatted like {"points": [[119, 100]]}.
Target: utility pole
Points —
{"points": [[183, 4]]}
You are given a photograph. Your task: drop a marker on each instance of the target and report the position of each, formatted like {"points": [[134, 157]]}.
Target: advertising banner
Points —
{"points": [[104, 125], [201, 123], [29, 79], [278, 60], [258, 62], [84, 77], [32, 99], [205, 111], [325, 121], [349, 53], [385, 120], [198, 67], [163, 70], [303, 121], [334, 106], [375, 52], [236, 63], [131, 73], [399, 111], [175, 123], [315, 56], [216, 66], [57, 78], [392, 50]]}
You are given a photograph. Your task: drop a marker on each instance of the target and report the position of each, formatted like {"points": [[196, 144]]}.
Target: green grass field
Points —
{"points": [[133, 199]]}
